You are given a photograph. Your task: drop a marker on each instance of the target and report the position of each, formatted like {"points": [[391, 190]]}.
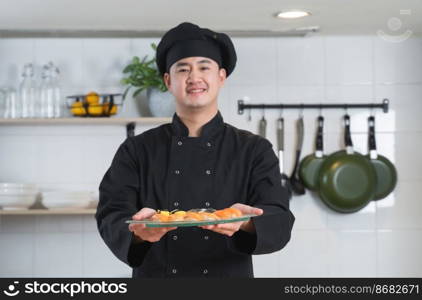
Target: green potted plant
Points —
{"points": [[143, 75]]}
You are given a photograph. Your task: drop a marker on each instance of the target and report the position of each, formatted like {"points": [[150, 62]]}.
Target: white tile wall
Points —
{"points": [[383, 239]]}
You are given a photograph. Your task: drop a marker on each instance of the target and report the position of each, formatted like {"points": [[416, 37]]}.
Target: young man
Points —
{"points": [[197, 161]]}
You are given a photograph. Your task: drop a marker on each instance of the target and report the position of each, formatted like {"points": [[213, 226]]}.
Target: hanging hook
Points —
{"points": [[371, 112], [281, 111], [346, 108], [263, 110], [250, 115], [320, 109], [301, 110]]}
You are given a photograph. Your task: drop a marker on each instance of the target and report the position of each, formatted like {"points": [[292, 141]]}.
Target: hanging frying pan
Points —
{"points": [[385, 170], [280, 142], [347, 179], [311, 164]]}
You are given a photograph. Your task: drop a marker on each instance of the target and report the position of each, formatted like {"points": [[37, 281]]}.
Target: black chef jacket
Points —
{"points": [[164, 168]]}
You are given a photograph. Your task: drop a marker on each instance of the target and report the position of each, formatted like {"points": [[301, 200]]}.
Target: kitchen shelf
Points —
{"points": [[69, 211], [83, 121]]}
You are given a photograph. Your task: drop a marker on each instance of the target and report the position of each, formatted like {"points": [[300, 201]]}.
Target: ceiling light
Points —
{"points": [[292, 14]]}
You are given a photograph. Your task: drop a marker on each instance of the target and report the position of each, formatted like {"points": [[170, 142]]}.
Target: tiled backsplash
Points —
{"points": [[383, 239]]}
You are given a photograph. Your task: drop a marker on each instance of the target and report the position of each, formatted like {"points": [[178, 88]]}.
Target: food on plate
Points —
{"points": [[195, 215], [228, 213], [161, 216]]}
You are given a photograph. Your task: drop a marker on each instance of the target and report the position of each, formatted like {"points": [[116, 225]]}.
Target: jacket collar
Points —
{"points": [[209, 129]]}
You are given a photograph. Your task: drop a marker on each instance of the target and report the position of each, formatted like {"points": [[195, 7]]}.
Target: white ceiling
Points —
{"points": [[332, 16]]}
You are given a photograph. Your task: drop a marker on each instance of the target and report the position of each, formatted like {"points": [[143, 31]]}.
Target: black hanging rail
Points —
{"points": [[241, 106]]}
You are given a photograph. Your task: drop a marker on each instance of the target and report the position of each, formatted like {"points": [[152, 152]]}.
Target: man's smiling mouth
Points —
{"points": [[196, 91]]}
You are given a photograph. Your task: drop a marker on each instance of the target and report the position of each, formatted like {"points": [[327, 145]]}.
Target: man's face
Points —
{"points": [[195, 81]]}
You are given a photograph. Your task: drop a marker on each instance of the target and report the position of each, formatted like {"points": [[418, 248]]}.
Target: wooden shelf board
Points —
{"points": [[93, 121]]}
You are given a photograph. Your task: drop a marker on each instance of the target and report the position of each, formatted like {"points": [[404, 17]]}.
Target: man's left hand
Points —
{"points": [[231, 228]]}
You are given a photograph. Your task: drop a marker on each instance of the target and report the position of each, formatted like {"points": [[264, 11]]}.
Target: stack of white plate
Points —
{"points": [[17, 195], [66, 199]]}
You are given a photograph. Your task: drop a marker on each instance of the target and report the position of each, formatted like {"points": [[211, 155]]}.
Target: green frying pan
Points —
{"points": [[310, 164], [347, 179], [385, 170]]}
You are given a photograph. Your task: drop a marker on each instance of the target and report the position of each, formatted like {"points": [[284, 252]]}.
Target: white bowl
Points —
{"points": [[63, 203], [66, 199], [17, 201], [18, 189], [21, 186]]}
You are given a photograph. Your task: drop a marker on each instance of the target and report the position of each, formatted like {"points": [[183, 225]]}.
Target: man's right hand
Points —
{"points": [[149, 234]]}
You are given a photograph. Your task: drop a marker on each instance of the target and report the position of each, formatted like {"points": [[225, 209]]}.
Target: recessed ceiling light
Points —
{"points": [[293, 14]]}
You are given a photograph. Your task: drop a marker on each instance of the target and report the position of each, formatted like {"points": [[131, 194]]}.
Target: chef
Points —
{"points": [[196, 161]]}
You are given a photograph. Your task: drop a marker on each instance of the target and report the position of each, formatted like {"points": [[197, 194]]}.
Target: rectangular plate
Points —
{"points": [[149, 223]]}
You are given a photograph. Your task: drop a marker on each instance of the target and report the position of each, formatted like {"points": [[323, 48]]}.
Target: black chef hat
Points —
{"points": [[187, 39]]}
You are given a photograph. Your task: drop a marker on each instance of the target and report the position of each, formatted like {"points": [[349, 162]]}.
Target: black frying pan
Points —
{"points": [[310, 165], [385, 170], [347, 179]]}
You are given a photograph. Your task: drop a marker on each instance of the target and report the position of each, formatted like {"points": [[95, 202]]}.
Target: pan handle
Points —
{"points": [[347, 135], [300, 129], [280, 142], [280, 134], [319, 139], [371, 138], [263, 127]]}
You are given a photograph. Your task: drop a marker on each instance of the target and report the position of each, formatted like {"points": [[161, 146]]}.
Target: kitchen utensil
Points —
{"points": [[263, 127], [280, 141], [66, 199], [17, 195], [8, 202], [311, 164], [347, 179], [385, 170], [18, 187], [94, 104], [295, 182]]}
